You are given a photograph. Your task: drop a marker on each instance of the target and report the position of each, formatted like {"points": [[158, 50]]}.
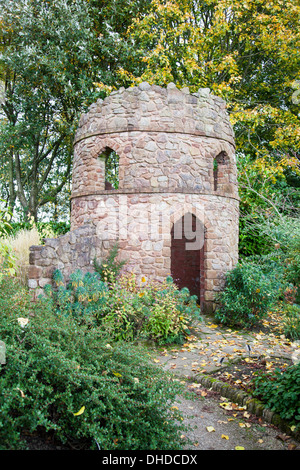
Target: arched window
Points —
{"points": [[219, 168], [111, 160]]}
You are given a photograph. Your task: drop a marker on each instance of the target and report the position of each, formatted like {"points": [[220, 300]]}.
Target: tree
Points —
{"points": [[56, 58], [46, 68], [247, 52]]}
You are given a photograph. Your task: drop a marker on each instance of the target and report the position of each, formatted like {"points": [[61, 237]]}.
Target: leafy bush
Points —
{"points": [[62, 376], [247, 296], [285, 234], [281, 392], [111, 267], [45, 229], [82, 298], [126, 311], [7, 258], [170, 312], [291, 321]]}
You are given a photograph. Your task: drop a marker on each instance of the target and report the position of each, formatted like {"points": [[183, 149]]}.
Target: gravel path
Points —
{"points": [[216, 422]]}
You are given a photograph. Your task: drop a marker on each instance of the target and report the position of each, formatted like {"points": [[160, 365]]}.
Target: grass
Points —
{"points": [[20, 244]]}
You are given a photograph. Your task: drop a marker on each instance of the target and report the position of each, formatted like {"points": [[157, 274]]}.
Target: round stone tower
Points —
{"points": [[173, 206]]}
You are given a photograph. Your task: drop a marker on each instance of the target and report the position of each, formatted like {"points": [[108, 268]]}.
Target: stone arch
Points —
{"points": [[186, 208], [188, 254], [101, 152]]}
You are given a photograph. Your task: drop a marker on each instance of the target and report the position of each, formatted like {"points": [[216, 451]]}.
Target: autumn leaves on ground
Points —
{"points": [[224, 354]]}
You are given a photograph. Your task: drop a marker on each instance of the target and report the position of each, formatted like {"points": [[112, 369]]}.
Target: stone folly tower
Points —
{"points": [[173, 203]]}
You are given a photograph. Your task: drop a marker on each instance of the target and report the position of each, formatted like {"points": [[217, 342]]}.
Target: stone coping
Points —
{"points": [[147, 108], [196, 133], [107, 192]]}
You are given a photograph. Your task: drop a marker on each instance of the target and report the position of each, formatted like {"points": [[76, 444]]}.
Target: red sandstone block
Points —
{"points": [[34, 272]]}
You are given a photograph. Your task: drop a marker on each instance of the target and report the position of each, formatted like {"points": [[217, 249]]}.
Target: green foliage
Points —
{"points": [[157, 311], [258, 281], [248, 294], [171, 312], [57, 367], [280, 392], [291, 321], [293, 266], [7, 258], [82, 298], [125, 311], [46, 83], [251, 240], [112, 162], [110, 268], [57, 228], [284, 231]]}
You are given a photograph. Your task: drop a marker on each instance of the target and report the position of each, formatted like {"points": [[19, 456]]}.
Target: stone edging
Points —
{"points": [[253, 405]]}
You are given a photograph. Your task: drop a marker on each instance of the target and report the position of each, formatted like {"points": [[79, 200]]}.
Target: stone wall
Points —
{"points": [[74, 250], [176, 156]]}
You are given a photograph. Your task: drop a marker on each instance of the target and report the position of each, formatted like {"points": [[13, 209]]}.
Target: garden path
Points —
{"points": [[212, 347], [219, 423]]}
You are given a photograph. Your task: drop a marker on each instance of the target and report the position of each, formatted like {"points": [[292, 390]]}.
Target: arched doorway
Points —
{"points": [[187, 255]]}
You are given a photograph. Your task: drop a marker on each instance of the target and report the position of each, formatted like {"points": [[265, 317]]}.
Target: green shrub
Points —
{"points": [[281, 392], [57, 367], [126, 311], [285, 234], [45, 229], [293, 267], [157, 311], [170, 312], [248, 294], [7, 257], [110, 267], [291, 321], [82, 298], [123, 314]]}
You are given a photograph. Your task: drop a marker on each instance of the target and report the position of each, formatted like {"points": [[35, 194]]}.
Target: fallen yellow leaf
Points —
{"points": [[21, 392], [239, 448], [210, 428], [226, 406], [80, 411], [224, 437]]}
